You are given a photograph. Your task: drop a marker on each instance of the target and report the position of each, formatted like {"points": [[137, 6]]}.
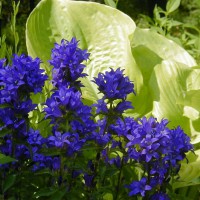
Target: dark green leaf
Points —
{"points": [[45, 192], [10, 180], [6, 159]]}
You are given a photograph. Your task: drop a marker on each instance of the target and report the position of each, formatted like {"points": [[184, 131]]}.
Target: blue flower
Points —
{"points": [[101, 106], [24, 75], [114, 85], [139, 187], [28, 70], [61, 102], [21, 151], [159, 196], [66, 59], [2, 61], [6, 145], [23, 108], [150, 137], [56, 163], [59, 139], [122, 106], [100, 136], [76, 143], [35, 138], [52, 110], [89, 180], [124, 127], [116, 161]]}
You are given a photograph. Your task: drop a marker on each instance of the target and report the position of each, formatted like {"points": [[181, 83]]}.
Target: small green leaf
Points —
{"points": [[110, 3], [10, 180], [108, 196], [6, 159], [59, 194], [172, 5], [45, 192]]}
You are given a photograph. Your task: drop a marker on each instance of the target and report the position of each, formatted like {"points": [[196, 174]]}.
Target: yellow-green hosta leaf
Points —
{"points": [[190, 171], [103, 30], [163, 47], [168, 83], [161, 70]]}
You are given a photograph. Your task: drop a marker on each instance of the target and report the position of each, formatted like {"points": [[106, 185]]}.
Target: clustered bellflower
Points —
{"points": [[156, 148], [17, 82], [116, 144], [66, 59]]}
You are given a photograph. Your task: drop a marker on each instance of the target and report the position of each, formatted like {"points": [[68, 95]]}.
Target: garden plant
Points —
{"points": [[98, 109]]}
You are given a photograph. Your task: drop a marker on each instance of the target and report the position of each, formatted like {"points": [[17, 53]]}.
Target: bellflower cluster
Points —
{"points": [[71, 119], [156, 148], [66, 59], [17, 82], [114, 85], [90, 149]]}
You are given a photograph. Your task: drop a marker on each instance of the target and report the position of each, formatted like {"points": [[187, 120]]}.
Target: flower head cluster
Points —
{"points": [[67, 59], [114, 142], [17, 81], [21, 78], [157, 148], [71, 119], [115, 88], [139, 187], [114, 85]]}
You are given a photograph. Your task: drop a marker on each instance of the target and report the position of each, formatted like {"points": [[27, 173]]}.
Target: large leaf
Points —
{"points": [[189, 172], [163, 47], [168, 75], [159, 67], [104, 31], [162, 71]]}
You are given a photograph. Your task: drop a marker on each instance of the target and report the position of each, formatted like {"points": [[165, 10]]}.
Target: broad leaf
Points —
{"points": [[6, 159], [163, 47], [163, 73], [189, 172], [172, 5], [9, 181], [104, 31]]}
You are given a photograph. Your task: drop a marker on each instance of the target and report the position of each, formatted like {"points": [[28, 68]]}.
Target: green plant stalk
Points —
{"points": [[119, 179], [13, 26]]}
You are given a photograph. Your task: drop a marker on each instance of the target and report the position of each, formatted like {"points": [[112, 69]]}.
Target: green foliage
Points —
{"points": [[162, 60], [181, 31], [5, 159], [163, 73], [166, 81], [172, 5], [111, 3], [7, 50]]}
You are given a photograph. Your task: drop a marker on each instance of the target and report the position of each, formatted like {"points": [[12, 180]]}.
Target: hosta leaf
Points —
{"points": [[163, 73], [146, 60], [168, 83], [164, 48], [189, 172], [104, 31]]}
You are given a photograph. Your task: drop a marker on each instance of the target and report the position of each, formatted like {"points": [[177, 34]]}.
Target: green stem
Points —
{"points": [[119, 179]]}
